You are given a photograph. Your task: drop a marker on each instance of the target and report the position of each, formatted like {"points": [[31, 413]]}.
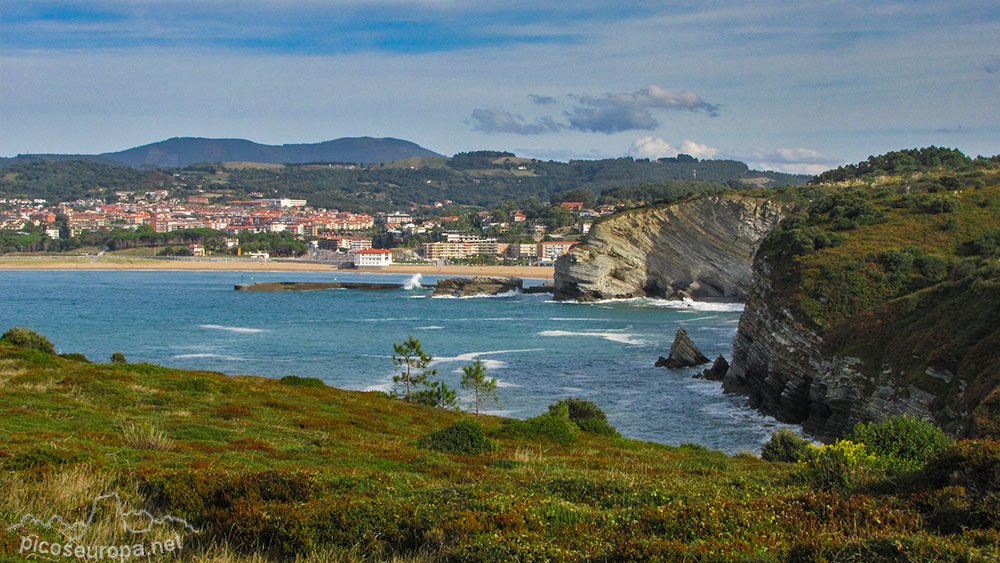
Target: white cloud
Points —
{"points": [[698, 150], [650, 147], [794, 160]]}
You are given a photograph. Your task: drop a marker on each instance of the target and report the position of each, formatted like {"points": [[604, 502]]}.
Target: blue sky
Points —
{"points": [[792, 86]]}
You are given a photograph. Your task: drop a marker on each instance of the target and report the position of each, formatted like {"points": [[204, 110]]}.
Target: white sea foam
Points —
{"points": [[613, 336], [512, 293], [383, 387], [239, 329], [471, 356], [205, 356], [413, 283], [502, 383], [488, 364], [577, 319], [429, 328], [682, 304]]}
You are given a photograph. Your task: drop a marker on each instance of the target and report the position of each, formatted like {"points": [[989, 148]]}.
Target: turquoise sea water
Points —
{"points": [[539, 350]]}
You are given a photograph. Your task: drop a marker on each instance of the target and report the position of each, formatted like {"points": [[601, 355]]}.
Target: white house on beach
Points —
{"points": [[372, 258]]}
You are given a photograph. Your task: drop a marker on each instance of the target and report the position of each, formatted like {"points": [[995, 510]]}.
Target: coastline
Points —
{"points": [[136, 263]]}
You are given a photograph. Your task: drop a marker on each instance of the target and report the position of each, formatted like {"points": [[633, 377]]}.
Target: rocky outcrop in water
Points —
{"points": [[699, 249], [479, 285], [717, 372], [683, 353]]}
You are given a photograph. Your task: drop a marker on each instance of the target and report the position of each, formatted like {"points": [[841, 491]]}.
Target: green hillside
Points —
{"points": [[481, 179], [895, 260], [282, 469]]}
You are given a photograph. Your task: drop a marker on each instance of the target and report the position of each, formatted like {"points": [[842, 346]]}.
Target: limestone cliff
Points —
{"points": [[701, 248]]}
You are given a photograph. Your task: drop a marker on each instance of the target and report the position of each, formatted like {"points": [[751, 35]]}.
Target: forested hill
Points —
{"points": [[185, 151], [480, 178]]}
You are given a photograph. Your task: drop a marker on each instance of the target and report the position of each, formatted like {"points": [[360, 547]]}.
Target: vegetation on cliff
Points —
{"points": [[269, 469], [894, 261]]}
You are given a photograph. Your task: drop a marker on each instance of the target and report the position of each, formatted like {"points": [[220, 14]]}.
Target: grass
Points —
{"points": [[266, 472]]}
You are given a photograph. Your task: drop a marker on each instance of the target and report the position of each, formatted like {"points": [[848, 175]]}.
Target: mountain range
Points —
{"points": [[185, 151]]}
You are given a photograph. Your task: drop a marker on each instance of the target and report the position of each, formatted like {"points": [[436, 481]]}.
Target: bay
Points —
{"points": [[539, 350]]}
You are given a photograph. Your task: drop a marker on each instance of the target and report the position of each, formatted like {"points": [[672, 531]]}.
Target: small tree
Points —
{"points": [[474, 382], [412, 362], [118, 358]]}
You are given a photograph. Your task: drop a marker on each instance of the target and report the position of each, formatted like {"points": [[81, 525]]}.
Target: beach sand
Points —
{"points": [[135, 263]]}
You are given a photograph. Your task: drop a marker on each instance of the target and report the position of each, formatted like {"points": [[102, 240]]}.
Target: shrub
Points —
{"points": [[931, 266], [901, 444], [987, 244], [27, 338], [462, 437], [437, 395], [839, 466], [580, 409], [118, 358], [942, 204], [297, 381], [784, 445], [553, 426], [586, 415]]}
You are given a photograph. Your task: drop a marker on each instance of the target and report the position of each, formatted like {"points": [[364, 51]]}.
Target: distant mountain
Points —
{"points": [[185, 151]]}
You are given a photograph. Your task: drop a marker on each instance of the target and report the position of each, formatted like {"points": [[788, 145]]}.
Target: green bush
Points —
{"points": [[462, 437], [297, 381], [586, 415], [27, 338], [901, 444], [987, 244], [436, 395], [118, 358], [598, 427], [784, 445], [553, 426]]}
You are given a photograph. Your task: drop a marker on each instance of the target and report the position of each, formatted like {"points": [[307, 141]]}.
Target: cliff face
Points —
{"points": [[700, 249], [788, 371]]}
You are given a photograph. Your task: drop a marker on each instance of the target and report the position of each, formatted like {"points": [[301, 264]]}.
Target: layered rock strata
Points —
{"points": [[699, 249]]}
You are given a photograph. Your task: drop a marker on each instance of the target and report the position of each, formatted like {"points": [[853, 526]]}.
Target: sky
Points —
{"points": [[782, 85]]}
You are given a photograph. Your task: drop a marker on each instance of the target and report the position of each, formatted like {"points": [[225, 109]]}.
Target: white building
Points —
{"points": [[372, 258]]}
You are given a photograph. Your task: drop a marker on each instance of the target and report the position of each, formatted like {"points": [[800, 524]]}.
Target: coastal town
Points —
{"points": [[418, 234]]}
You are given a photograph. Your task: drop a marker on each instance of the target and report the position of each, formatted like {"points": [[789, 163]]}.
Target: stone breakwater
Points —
{"points": [[699, 249]]}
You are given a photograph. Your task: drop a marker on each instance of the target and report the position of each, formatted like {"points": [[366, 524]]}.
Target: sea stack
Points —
{"points": [[717, 372], [683, 353]]}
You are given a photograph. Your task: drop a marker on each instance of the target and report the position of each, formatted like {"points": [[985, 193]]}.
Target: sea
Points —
{"points": [[539, 350]]}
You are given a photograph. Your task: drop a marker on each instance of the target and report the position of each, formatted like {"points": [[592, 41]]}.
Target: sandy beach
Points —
{"points": [[136, 263]]}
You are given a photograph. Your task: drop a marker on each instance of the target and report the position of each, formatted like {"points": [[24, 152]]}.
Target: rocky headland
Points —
{"points": [[700, 249], [866, 295]]}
